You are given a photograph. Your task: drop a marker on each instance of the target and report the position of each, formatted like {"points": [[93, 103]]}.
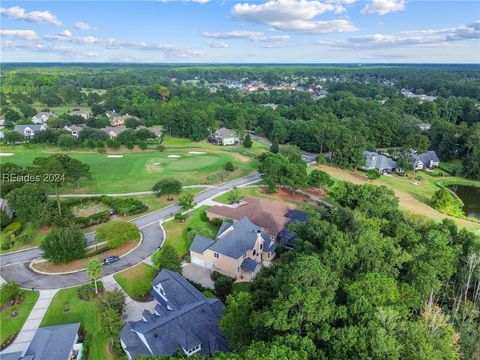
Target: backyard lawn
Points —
{"points": [[180, 234], [11, 325], [136, 281], [139, 170], [84, 312]]}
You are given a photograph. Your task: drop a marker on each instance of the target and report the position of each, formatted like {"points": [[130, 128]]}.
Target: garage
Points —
{"points": [[198, 261]]}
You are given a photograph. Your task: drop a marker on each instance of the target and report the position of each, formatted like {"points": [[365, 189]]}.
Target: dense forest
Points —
{"points": [[364, 108]]}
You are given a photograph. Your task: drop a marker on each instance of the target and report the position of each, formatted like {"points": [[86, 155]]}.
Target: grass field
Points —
{"points": [[11, 325], [84, 312], [136, 281], [139, 170], [180, 234], [414, 195]]}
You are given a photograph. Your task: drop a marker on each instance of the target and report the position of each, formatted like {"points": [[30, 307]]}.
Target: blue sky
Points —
{"points": [[308, 31]]}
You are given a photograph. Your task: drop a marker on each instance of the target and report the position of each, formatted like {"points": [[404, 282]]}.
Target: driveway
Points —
{"points": [[197, 274]]}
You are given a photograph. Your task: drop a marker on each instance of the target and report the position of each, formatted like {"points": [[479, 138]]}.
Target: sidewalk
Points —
{"points": [[25, 336], [133, 309]]}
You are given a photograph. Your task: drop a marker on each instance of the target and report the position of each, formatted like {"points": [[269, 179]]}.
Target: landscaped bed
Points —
{"points": [[282, 195], [67, 308], [11, 325], [137, 281]]}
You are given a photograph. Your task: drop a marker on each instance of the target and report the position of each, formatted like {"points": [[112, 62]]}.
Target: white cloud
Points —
{"points": [[65, 33], [80, 25], [193, 1], [382, 7], [247, 35], [29, 35], [218, 44], [84, 40], [294, 15], [18, 13], [422, 38]]}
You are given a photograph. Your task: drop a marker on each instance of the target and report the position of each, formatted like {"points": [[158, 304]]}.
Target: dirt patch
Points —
{"points": [[82, 263], [88, 209], [287, 195]]}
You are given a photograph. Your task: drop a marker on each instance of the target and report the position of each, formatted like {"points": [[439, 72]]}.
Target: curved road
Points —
{"points": [[14, 266]]}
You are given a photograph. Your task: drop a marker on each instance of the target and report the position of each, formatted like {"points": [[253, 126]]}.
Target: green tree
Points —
{"points": [[94, 271], [167, 186], [229, 166], [112, 323], [186, 201], [116, 233], [442, 199], [64, 244], [223, 287], [112, 300], [166, 258], [234, 196], [27, 201], [319, 178], [274, 148], [66, 142], [247, 141]]}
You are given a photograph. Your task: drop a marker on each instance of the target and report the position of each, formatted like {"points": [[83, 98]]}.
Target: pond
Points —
{"points": [[470, 196]]}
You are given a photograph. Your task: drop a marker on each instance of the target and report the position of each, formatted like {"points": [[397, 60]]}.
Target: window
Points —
{"points": [[216, 255], [268, 254], [261, 246], [254, 252], [193, 350]]}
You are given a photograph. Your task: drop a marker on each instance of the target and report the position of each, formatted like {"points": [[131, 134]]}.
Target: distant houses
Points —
{"points": [[184, 321], [117, 119], [113, 131], [83, 114], [224, 137], [42, 117], [29, 131], [74, 130], [385, 165]]}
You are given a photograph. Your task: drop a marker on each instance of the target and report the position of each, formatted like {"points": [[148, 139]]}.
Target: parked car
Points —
{"points": [[110, 260]]}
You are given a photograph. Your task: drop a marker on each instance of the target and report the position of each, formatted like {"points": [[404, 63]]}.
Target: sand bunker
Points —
{"points": [[115, 156], [6, 154], [156, 164], [174, 156], [197, 152]]}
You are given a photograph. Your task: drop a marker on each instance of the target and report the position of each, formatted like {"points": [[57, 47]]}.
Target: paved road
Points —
{"points": [[15, 266]]}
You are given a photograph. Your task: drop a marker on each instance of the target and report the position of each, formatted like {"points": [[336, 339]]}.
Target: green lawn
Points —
{"points": [[11, 325], [136, 281], [139, 170], [84, 312], [241, 286], [30, 233], [180, 234]]}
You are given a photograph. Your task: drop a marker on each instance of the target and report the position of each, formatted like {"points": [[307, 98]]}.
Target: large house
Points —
{"points": [[271, 216], [83, 114], [58, 342], [239, 250], [224, 136], [42, 117], [113, 131], [184, 321], [156, 131], [425, 161], [116, 119], [74, 129], [29, 130], [381, 163]]}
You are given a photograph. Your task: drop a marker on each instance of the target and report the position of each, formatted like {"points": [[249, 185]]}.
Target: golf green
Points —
{"points": [[130, 171]]}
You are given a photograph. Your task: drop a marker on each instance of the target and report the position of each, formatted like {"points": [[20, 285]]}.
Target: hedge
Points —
{"points": [[117, 233]]}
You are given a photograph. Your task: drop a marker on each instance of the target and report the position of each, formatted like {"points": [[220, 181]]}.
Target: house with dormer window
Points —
{"points": [[239, 250], [183, 322]]}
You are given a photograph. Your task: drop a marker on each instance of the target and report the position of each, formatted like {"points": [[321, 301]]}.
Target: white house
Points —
{"points": [[29, 130], [74, 130], [225, 137], [42, 117]]}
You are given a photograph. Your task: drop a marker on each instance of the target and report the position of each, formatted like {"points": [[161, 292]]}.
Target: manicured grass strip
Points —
{"points": [[242, 286], [180, 234], [11, 325], [136, 281], [84, 312]]}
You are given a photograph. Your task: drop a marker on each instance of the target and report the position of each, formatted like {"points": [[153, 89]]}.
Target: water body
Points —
{"points": [[470, 196]]}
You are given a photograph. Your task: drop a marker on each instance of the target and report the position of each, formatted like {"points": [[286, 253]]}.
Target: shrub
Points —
{"points": [[14, 228], [166, 258], [87, 292], [25, 238], [130, 145], [9, 291], [128, 206], [102, 151], [117, 233], [373, 174], [64, 244], [113, 144], [223, 287], [216, 222], [160, 148], [94, 219], [180, 217], [320, 159], [142, 145], [215, 275], [229, 166], [4, 219]]}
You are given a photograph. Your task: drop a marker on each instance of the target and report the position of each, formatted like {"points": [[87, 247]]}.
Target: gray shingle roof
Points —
{"points": [[34, 127], [233, 240], [249, 265], [374, 160], [53, 342], [183, 318], [225, 133], [201, 243], [427, 157], [12, 356]]}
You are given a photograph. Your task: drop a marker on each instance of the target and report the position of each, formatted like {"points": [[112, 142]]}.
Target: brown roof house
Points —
{"points": [[239, 250], [113, 131]]}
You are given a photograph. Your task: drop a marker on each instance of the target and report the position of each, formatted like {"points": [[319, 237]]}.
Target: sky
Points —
{"points": [[246, 31]]}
